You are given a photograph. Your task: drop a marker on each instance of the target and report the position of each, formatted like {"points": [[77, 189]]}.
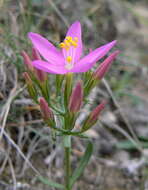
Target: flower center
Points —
{"points": [[69, 46]]}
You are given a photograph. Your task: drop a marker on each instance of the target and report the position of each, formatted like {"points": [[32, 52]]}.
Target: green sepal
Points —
{"points": [[88, 87], [87, 125], [45, 90], [90, 84], [59, 81], [43, 86], [68, 89], [50, 122], [69, 119], [87, 76], [32, 92]]}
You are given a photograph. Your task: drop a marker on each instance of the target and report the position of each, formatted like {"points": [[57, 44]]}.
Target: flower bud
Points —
{"points": [[104, 66], [47, 113], [35, 54], [96, 112], [41, 75], [93, 117], [27, 61], [31, 89], [76, 98]]}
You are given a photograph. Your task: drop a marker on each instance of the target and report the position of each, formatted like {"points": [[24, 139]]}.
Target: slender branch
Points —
{"points": [[67, 163]]}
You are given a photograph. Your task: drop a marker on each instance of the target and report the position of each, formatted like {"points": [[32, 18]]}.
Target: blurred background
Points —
{"points": [[119, 161]]}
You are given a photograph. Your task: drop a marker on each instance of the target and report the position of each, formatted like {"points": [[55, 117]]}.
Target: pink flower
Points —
{"points": [[68, 58]]}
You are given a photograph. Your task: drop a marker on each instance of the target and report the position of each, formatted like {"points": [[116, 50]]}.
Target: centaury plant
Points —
{"points": [[60, 112]]}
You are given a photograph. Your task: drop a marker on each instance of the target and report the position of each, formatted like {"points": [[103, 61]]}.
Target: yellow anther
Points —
{"points": [[69, 38], [67, 43], [62, 45], [68, 59], [73, 43]]}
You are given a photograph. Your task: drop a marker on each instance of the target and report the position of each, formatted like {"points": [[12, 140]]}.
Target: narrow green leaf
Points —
{"points": [[125, 145], [128, 145], [50, 183], [83, 162]]}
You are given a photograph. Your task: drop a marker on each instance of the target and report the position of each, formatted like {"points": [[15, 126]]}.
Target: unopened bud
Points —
{"points": [[104, 66], [96, 112], [93, 117], [27, 61], [47, 113], [35, 54], [41, 75], [76, 98]]}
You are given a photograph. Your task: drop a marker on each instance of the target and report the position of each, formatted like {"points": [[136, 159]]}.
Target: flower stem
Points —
{"points": [[67, 164], [67, 168]]}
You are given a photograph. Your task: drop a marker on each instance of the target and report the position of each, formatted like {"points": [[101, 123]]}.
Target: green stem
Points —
{"points": [[67, 168], [67, 163]]}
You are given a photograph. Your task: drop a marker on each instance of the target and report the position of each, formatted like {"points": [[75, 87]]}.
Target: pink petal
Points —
{"points": [[49, 68], [46, 49], [89, 60], [75, 31]]}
